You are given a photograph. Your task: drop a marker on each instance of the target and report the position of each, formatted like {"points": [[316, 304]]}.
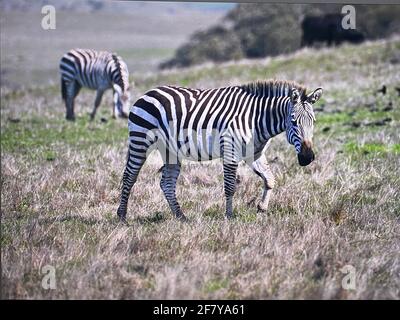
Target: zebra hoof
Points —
{"points": [[182, 218], [123, 220], [260, 209], [121, 216], [229, 217], [70, 118]]}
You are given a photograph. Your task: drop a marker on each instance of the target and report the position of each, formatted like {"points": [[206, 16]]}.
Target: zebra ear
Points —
{"points": [[295, 95], [314, 96]]}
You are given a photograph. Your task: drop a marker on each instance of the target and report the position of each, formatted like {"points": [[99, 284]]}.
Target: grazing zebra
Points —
{"points": [[233, 123], [98, 70]]}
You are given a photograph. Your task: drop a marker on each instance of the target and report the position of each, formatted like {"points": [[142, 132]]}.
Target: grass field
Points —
{"points": [[30, 55], [60, 190]]}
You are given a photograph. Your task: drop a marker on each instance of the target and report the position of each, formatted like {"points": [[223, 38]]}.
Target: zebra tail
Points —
{"points": [[63, 89]]}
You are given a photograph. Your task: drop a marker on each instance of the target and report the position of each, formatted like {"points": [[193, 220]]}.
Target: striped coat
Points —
{"points": [[96, 70], [233, 123]]}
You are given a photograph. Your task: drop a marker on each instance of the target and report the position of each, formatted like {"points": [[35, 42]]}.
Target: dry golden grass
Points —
{"points": [[60, 189]]}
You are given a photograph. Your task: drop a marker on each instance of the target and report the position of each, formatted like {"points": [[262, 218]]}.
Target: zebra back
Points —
{"points": [[94, 69]]}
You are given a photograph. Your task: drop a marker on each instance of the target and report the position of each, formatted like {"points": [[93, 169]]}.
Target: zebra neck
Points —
{"points": [[273, 115], [118, 74]]}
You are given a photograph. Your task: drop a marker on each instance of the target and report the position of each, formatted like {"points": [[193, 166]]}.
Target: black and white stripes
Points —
{"points": [[97, 70], [233, 123]]}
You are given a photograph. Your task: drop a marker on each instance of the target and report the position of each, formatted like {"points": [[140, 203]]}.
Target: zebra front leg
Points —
{"points": [[99, 96], [170, 174], [262, 169], [230, 169]]}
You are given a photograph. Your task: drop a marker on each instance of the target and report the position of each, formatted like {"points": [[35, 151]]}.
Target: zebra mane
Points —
{"points": [[121, 81], [273, 88]]}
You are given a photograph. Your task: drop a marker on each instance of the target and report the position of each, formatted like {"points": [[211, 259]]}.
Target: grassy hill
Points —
{"points": [[268, 29], [60, 189]]}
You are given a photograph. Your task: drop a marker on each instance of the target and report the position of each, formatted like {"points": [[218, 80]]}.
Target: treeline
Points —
{"points": [[260, 30]]}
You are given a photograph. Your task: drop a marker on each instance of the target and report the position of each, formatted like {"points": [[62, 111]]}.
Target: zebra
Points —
{"points": [[98, 70], [233, 123]]}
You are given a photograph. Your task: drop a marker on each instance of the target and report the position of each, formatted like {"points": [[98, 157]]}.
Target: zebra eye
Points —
{"points": [[294, 123]]}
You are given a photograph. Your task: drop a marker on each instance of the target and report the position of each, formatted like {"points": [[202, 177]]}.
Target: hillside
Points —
{"points": [[268, 29], [60, 189]]}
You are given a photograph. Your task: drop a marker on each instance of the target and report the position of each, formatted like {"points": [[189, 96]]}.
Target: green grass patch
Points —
{"points": [[333, 118], [374, 148], [214, 212], [41, 138], [246, 215], [215, 285]]}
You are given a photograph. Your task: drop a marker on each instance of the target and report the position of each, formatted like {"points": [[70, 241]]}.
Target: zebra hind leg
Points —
{"points": [[170, 174], [69, 104], [137, 154], [72, 90]]}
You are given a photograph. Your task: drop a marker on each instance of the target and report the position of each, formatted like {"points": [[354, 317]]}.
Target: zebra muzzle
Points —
{"points": [[306, 155]]}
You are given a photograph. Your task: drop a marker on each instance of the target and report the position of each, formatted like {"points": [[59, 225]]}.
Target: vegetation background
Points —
{"points": [[60, 180], [269, 29]]}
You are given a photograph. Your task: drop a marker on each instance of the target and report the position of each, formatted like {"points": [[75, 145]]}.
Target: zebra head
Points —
{"points": [[300, 123], [121, 100], [125, 99]]}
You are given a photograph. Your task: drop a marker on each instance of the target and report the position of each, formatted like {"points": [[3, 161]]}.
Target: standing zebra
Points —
{"points": [[98, 70], [233, 123]]}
